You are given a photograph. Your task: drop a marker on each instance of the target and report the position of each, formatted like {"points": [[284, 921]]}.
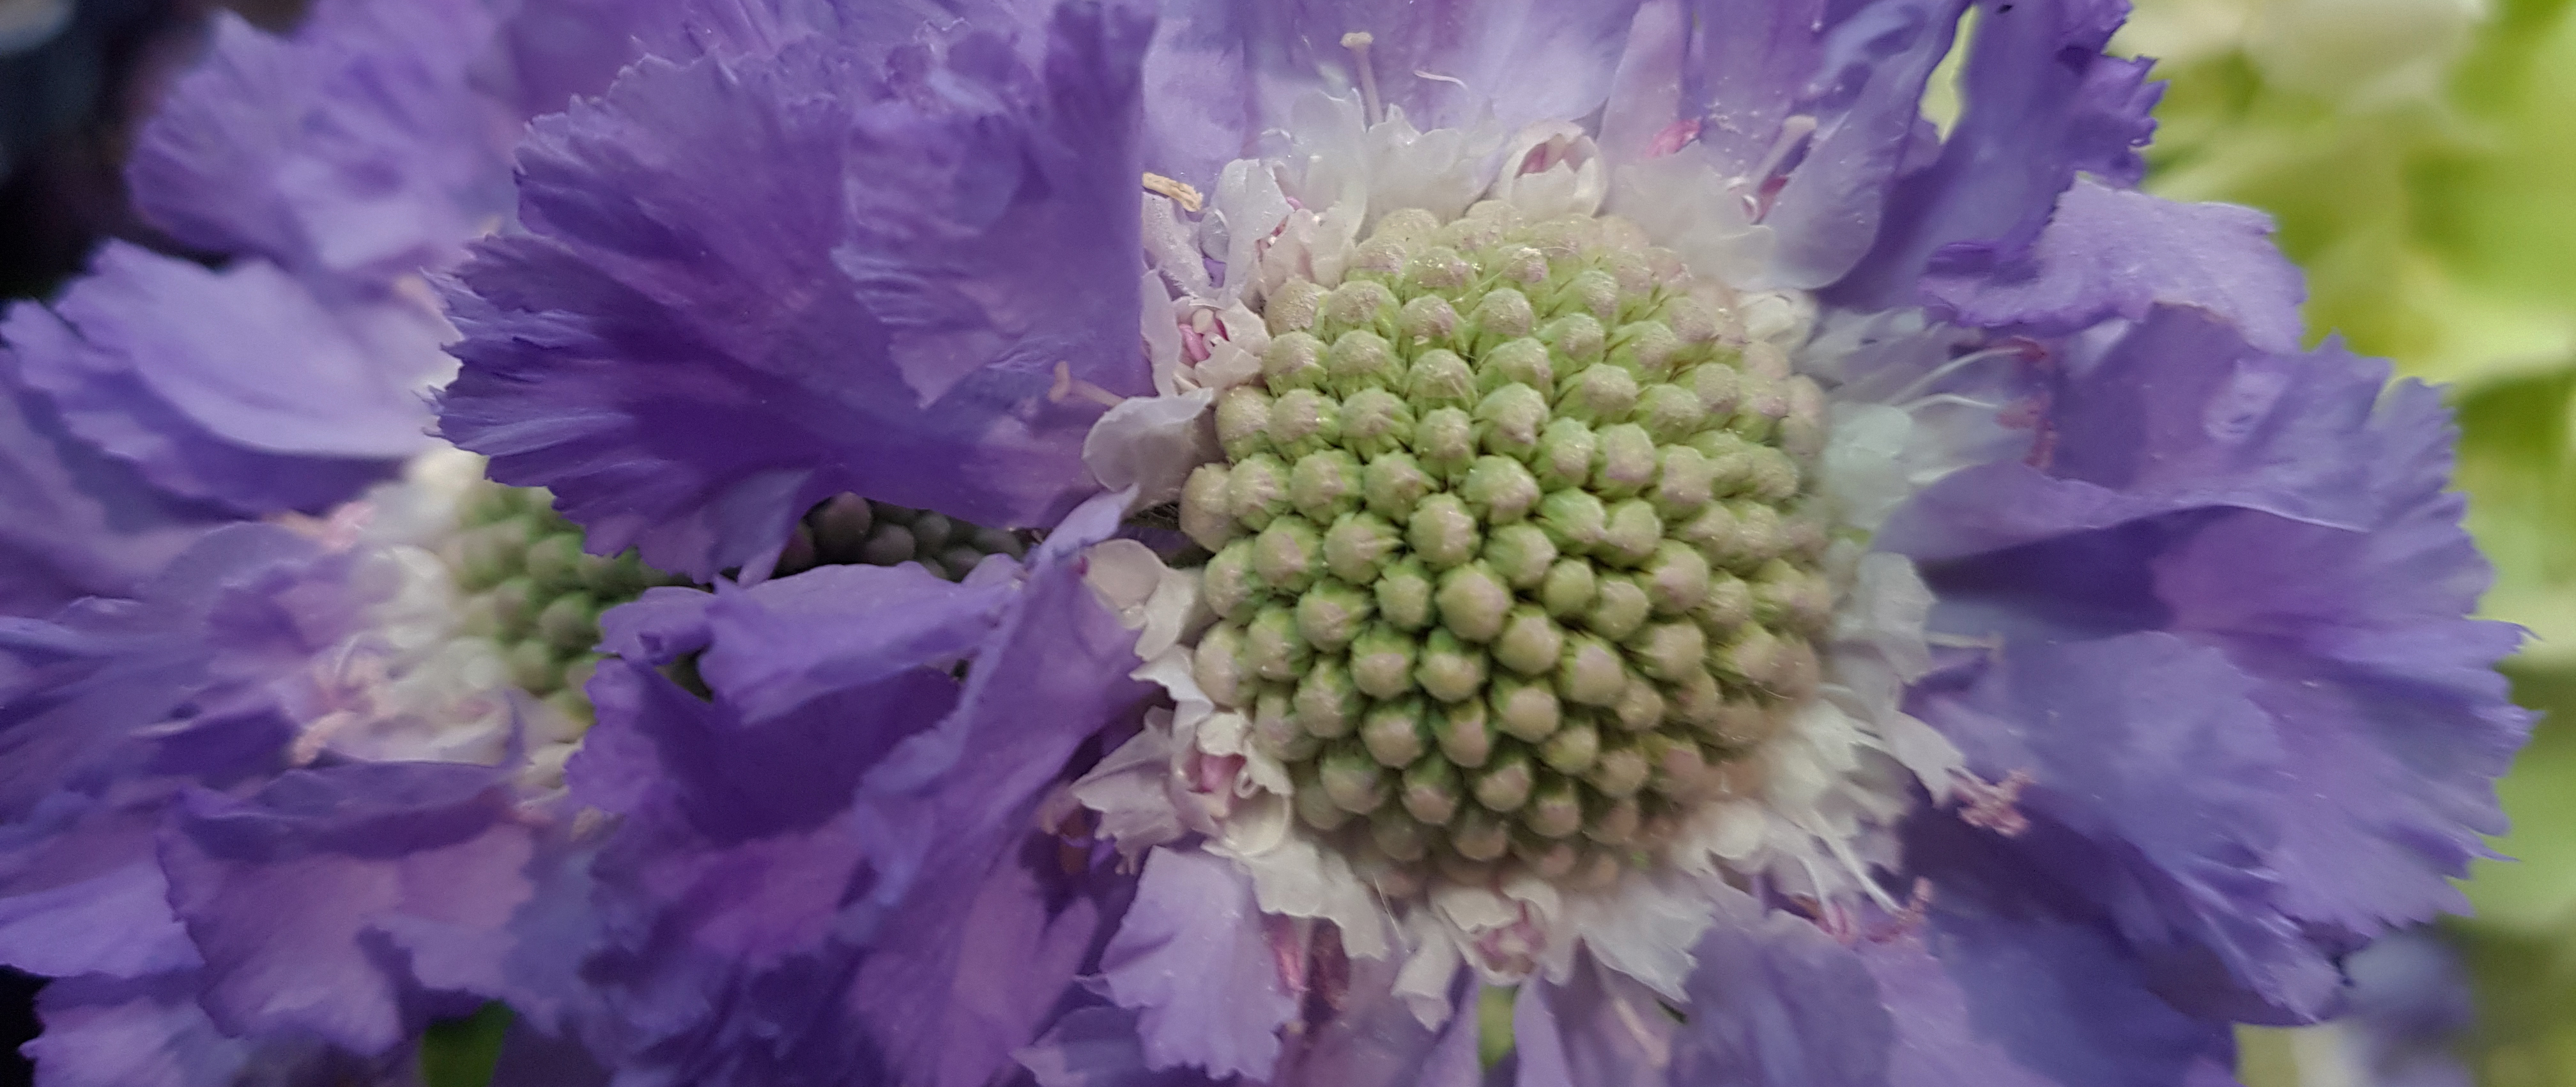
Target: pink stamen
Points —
{"points": [[1674, 137], [1993, 806]]}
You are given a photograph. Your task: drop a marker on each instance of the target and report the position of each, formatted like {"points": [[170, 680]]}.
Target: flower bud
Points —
{"points": [[1530, 643], [1358, 545], [1524, 709], [1331, 614], [1393, 484], [1293, 361], [1521, 554], [1506, 782], [1590, 672], [1451, 670], [1464, 732], [1430, 792], [1404, 594], [1443, 531], [1288, 555], [1555, 810], [1518, 362], [1375, 423], [1326, 704], [1382, 661], [1354, 781]]}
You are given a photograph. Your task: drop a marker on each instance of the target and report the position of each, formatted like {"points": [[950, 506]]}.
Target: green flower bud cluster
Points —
{"points": [[529, 588], [849, 529], [1507, 548]]}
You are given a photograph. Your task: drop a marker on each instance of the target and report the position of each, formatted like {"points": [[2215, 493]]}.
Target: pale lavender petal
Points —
{"points": [[1937, 1044], [239, 387], [101, 1032], [82, 523], [708, 329], [1191, 958], [2111, 252], [1097, 1046], [81, 892], [1600, 1027], [782, 642], [288, 893], [358, 148], [1774, 1002]]}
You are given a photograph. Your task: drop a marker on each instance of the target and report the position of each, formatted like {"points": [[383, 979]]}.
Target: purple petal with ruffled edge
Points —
{"points": [[753, 282], [2110, 252], [971, 954], [1367, 1035], [358, 149], [81, 523], [1936, 1045], [1097, 1046], [2041, 103], [556, 50], [81, 891], [297, 896], [1191, 958], [240, 387], [103, 1032], [2285, 513], [1774, 1002]]}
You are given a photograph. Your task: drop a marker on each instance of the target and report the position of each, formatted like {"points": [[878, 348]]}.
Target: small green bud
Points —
{"points": [[1599, 395], [1647, 347], [1506, 782], [1243, 421], [1382, 661], [570, 623], [1289, 554], [1437, 269], [1641, 706], [1359, 359], [1395, 732], [1464, 731], [1272, 646], [1509, 419], [1354, 781], [1440, 378], [1317, 809], [1393, 484], [1404, 594], [1676, 579], [1326, 703], [1293, 361], [1521, 554], [533, 668], [1720, 388], [1614, 822], [1479, 836], [1503, 314], [1569, 589], [1451, 670], [1430, 792], [1619, 771], [1292, 307], [1523, 265], [1578, 339], [1412, 226], [1619, 607], [1500, 489], [888, 545], [1530, 642], [1325, 485], [1443, 531], [1527, 710], [1729, 603], [1627, 462], [1592, 291], [1670, 651], [1633, 533], [1695, 319], [930, 531], [1572, 748], [1357, 546], [1670, 413], [1590, 673], [1427, 319], [1381, 258], [1203, 515], [1358, 304], [1576, 520], [554, 562], [1555, 810], [515, 604], [1549, 860], [1565, 453], [1228, 584], [1330, 614], [1375, 423], [493, 553], [1523, 361], [1217, 664], [1445, 441], [1398, 836], [1473, 600], [1304, 421], [1685, 482], [1257, 490], [1275, 729]]}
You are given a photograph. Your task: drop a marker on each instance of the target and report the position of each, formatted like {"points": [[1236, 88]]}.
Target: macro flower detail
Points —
{"points": [[1163, 543]]}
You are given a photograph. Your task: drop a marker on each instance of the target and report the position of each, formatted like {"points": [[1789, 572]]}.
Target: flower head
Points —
{"points": [[1600, 511]]}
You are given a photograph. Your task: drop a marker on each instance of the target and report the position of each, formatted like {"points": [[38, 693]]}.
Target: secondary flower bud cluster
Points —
{"points": [[525, 584], [1507, 552], [850, 530]]}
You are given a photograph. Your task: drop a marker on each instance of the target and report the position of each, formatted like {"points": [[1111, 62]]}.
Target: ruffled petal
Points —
{"points": [[1775, 1002], [149, 1032], [359, 148], [2111, 252], [298, 896], [1191, 959], [752, 282], [81, 892], [1097, 1046], [2042, 103], [81, 523], [240, 387], [1599, 1028]]}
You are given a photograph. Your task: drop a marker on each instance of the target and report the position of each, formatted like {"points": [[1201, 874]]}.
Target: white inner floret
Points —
{"points": [[1536, 590]]}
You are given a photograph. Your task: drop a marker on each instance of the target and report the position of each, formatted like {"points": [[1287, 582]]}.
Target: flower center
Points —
{"points": [[525, 584], [1508, 553]]}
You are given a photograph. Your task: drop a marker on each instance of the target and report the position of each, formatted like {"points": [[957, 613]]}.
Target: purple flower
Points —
{"points": [[1227, 540]]}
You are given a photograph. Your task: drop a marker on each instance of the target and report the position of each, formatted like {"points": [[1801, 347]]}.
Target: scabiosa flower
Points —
{"points": [[1599, 511]]}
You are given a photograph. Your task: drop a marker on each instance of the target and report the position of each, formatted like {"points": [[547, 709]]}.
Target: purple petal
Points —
{"points": [[2042, 103], [145, 1033], [1368, 1037], [949, 813], [81, 523], [1774, 1002], [81, 892], [1097, 1047], [1191, 958], [238, 387], [560, 49], [1601, 1027], [358, 148], [709, 329], [782, 642], [289, 895], [2111, 252], [533, 1058], [1937, 1045]]}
